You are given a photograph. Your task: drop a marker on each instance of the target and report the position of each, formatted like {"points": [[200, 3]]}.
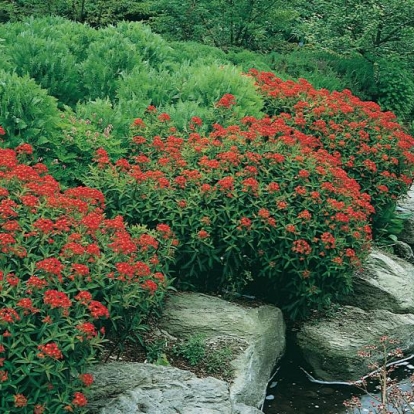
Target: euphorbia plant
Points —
{"points": [[369, 144], [250, 204], [67, 274]]}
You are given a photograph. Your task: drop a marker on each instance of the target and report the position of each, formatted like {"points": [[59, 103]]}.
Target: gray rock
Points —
{"points": [[245, 409], [331, 345], [133, 388], [407, 235], [406, 205], [385, 282], [259, 330], [404, 251]]}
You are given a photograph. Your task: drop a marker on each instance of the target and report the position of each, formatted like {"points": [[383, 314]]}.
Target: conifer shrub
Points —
{"points": [[253, 205], [69, 277]]}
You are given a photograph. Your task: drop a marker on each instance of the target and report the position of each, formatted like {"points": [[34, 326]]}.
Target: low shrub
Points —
{"points": [[120, 56], [27, 112], [369, 144], [249, 203], [67, 275], [72, 150]]}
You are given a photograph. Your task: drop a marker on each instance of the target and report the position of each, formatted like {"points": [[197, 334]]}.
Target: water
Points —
{"points": [[293, 393]]}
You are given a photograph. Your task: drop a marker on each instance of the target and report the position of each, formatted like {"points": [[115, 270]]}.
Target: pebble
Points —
{"points": [[410, 366], [270, 397], [273, 384]]}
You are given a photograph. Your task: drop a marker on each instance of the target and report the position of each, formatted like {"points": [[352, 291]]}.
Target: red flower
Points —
{"points": [[165, 230], [44, 225], [87, 379], [98, 310], [305, 215], [301, 246], [202, 234], [35, 282], [245, 222], [57, 299], [4, 375], [80, 269], [38, 409], [2, 131], [50, 265], [138, 122], [226, 101], [20, 400], [8, 315], [88, 329], [272, 187], [24, 149], [164, 117], [150, 285], [84, 297], [79, 399], [51, 350]]}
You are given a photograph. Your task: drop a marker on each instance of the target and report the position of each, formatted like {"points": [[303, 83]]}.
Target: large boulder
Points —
{"points": [[260, 330], [406, 206], [385, 282], [330, 345], [133, 388]]}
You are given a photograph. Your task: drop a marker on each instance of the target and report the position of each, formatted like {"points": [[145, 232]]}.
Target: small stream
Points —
{"points": [[293, 393]]}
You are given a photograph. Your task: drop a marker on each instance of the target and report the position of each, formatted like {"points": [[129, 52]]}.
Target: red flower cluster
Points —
{"points": [[50, 350]]}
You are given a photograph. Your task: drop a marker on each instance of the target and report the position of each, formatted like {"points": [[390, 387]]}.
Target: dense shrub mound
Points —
{"points": [[253, 202], [369, 144], [67, 275]]}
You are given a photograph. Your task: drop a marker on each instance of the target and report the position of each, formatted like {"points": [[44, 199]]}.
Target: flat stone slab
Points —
{"points": [[330, 345], [260, 329], [133, 388]]}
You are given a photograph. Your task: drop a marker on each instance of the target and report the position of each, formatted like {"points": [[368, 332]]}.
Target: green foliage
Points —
{"points": [[250, 24], [120, 56], [49, 62], [151, 47], [95, 12], [156, 352], [389, 224], [309, 65], [218, 361], [193, 349], [191, 91], [395, 87], [247, 59], [71, 153], [27, 112], [190, 51], [67, 275], [373, 29]]}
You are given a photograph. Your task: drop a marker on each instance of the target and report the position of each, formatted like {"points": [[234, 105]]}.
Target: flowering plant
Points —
{"points": [[369, 144], [249, 204], [67, 275], [388, 396]]}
